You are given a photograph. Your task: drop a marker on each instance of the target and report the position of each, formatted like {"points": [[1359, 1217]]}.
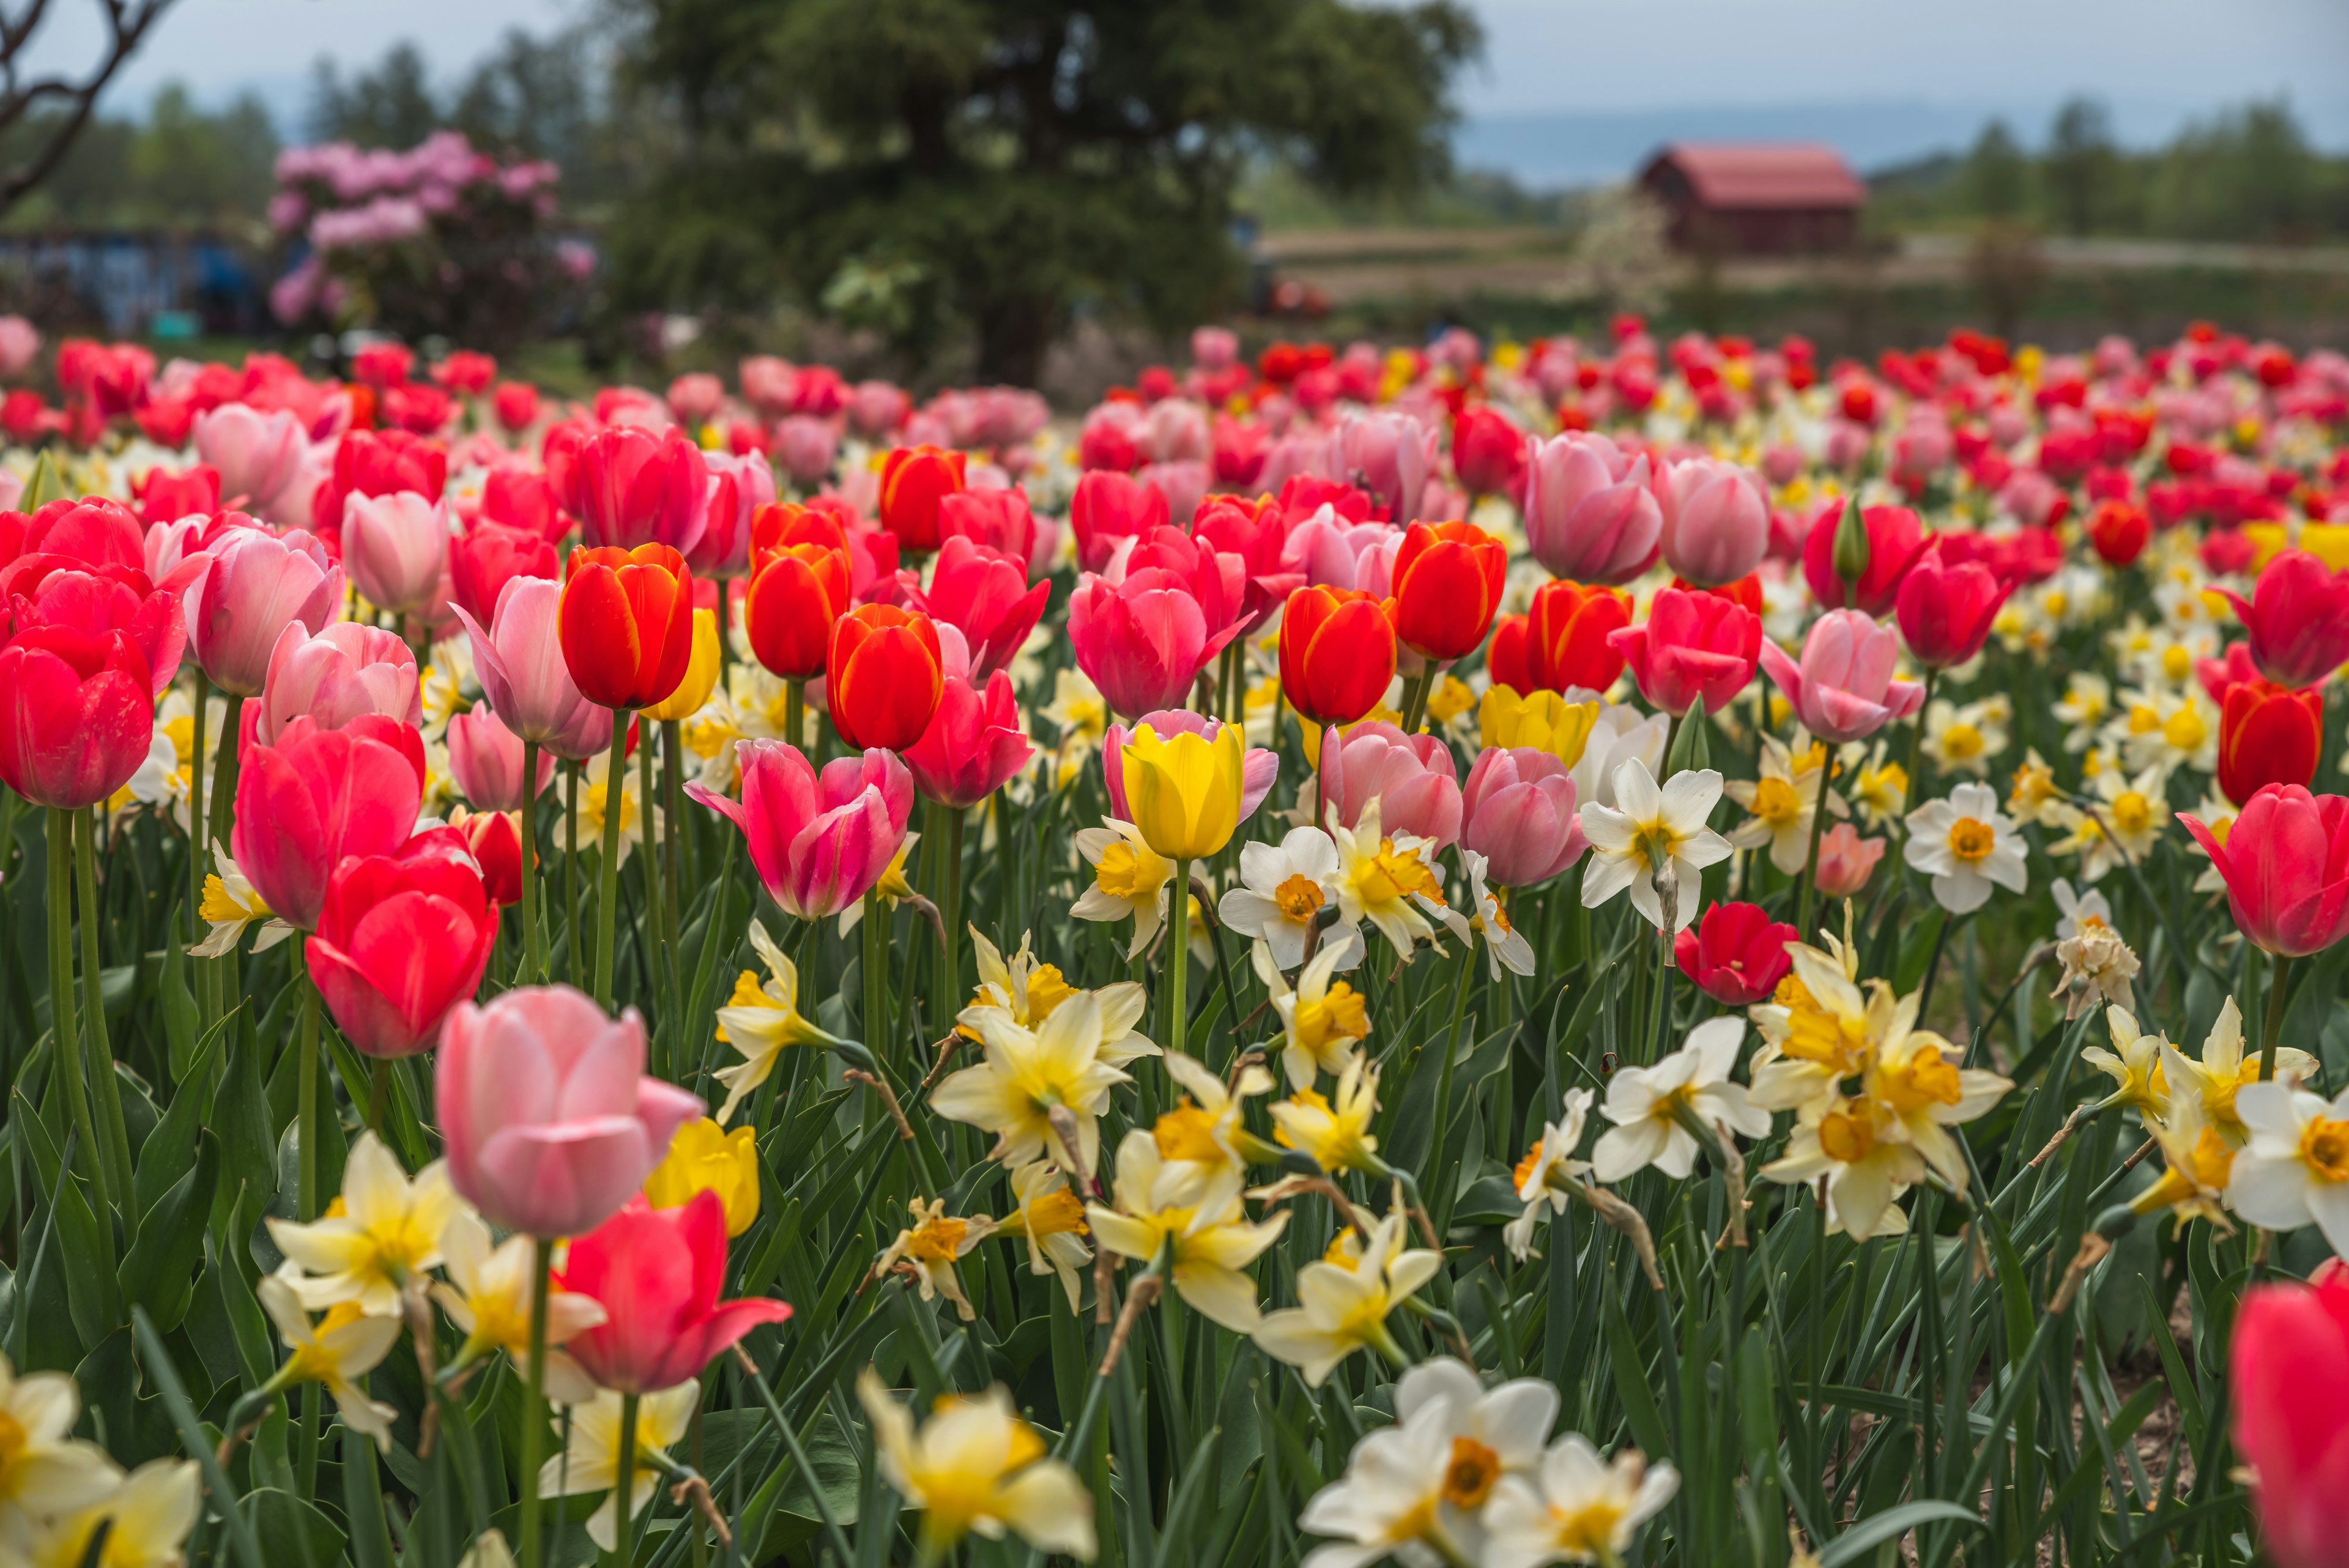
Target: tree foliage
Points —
{"points": [[1005, 162]]}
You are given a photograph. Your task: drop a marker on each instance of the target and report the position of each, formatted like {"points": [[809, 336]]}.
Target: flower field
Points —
{"points": [[1620, 952]]}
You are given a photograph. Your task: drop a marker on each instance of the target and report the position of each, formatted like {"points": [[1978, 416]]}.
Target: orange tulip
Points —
{"points": [[1562, 641], [1337, 654], [797, 592], [883, 677], [914, 480], [625, 623], [1447, 584]]}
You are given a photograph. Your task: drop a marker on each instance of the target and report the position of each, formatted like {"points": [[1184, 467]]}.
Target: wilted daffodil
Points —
{"points": [[931, 1247], [1184, 792]]}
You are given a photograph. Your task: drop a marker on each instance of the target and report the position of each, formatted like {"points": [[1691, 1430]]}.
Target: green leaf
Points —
{"points": [[1691, 748], [157, 1360], [92, 1293], [46, 485], [1891, 1525], [167, 1152], [363, 1503], [292, 1533], [160, 1271], [1630, 1369], [181, 1022]]}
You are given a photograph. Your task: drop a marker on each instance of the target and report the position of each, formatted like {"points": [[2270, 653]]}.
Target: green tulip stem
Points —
{"points": [[71, 1066], [306, 1179], [607, 875], [1811, 863], [100, 1049], [623, 1549], [657, 932], [1178, 951], [534, 1400], [533, 940], [950, 917]]}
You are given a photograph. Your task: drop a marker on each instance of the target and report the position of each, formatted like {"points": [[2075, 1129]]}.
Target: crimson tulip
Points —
{"points": [[1488, 452], [635, 487], [87, 534], [165, 495], [1896, 539], [1337, 654], [402, 940], [657, 1272], [2289, 1372], [1946, 611], [974, 743], [2297, 619], [914, 481], [1109, 507], [987, 597], [520, 498], [884, 676], [76, 714], [1736, 954], [489, 556], [625, 624], [1693, 645], [376, 463], [496, 846], [2268, 734], [998, 519], [116, 598], [2285, 862], [1447, 585], [316, 796]]}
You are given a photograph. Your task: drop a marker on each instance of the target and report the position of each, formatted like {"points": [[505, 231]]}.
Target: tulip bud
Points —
{"points": [[1851, 556]]}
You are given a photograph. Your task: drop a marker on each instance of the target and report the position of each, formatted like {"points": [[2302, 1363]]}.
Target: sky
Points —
{"points": [[1570, 91]]}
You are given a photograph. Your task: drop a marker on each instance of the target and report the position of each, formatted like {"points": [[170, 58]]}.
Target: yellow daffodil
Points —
{"points": [[44, 1469], [2134, 1063], [376, 1241], [1203, 1132], [1387, 880], [1336, 1134], [147, 1520], [1324, 1018], [337, 1351], [1341, 1310], [1129, 880], [591, 1461], [487, 1296], [1183, 792], [1924, 1092], [931, 1247], [1783, 802], [2225, 1068], [1052, 1220], [760, 1021], [976, 1466], [1162, 1201], [1029, 1074], [1841, 1138], [700, 673], [2197, 1159], [706, 1157], [1025, 988], [1542, 720], [230, 904]]}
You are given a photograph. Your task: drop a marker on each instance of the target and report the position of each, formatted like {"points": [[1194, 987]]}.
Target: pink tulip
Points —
{"points": [[1945, 611], [548, 1119], [1844, 690], [257, 454], [694, 396], [396, 548], [1591, 510], [818, 842], [1412, 778], [402, 938], [1847, 860], [485, 759], [1326, 552], [1518, 812], [2297, 619], [2286, 865], [635, 486], [1183, 484], [806, 447], [1692, 646], [738, 487], [2289, 1356], [1716, 524], [317, 795], [985, 595], [1109, 507], [77, 716], [256, 586], [1389, 455], [92, 532], [975, 743], [1144, 640], [876, 407], [1258, 767], [20, 342], [524, 679], [657, 1272], [120, 600], [344, 672]]}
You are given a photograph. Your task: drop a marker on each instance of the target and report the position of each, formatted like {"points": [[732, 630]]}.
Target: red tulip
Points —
{"points": [[1946, 611], [2297, 619], [973, 744], [2289, 1360], [987, 597], [1109, 507], [165, 496], [1337, 654], [2285, 862], [883, 677], [1693, 645], [519, 498], [489, 556], [496, 845], [1488, 452], [402, 940], [1562, 640], [2119, 530], [1895, 540], [76, 714], [625, 624], [1736, 954], [2268, 734], [86, 535], [657, 1272], [516, 406], [914, 481], [998, 519], [1447, 584], [115, 598], [315, 796], [376, 463], [635, 487]]}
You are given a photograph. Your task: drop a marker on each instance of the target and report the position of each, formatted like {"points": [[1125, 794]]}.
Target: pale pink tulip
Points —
{"points": [[547, 1117], [1847, 860], [20, 343], [344, 672], [1412, 778], [876, 407], [806, 447], [1391, 456], [256, 587], [1844, 689], [1591, 510], [738, 487], [485, 759], [524, 679], [257, 454], [396, 548], [1716, 521], [1518, 813], [818, 842]]}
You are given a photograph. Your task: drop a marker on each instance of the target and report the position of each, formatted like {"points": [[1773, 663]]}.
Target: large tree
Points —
{"points": [[991, 165]]}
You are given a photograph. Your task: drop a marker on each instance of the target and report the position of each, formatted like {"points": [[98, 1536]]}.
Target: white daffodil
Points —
{"points": [[2033, 794], [1647, 1104], [760, 1020], [1574, 1507], [2117, 827], [1553, 1152], [976, 1466], [591, 1462], [1160, 1201], [1324, 1018], [147, 1520], [1129, 880], [377, 1240], [1504, 946], [1965, 844], [2078, 911], [337, 1351], [1342, 1309], [1027, 1074], [45, 1470], [1880, 788], [931, 1246], [488, 1294], [2165, 731], [1783, 802], [595, 797], [1622, 734], [230, 905], [1282, 889], [2086, 703], [2294, 1171], [1633, 841], [1388, 879], [1052, 1220], [1965, 739]]}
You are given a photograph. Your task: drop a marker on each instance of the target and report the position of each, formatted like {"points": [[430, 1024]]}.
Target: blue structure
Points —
{"points": [[125, 278]]}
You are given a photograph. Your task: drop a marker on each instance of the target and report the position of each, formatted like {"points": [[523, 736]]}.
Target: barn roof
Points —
{"points": [[1766, 175]]}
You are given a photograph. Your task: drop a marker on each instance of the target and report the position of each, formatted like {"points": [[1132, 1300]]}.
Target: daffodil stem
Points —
{"points": [[2279, 975], [1932, 968], [220, 806], [534, 1399], [950, 917], [608, 874], [877, 1035], [117, 1148], [571, 867], [306, 1110], [1451, 1039], [1660, 1005], [1917, 731], [1811, 861], [673, 829], [1179, 950], [623, 1549], [70, 1064], [533, 940]]}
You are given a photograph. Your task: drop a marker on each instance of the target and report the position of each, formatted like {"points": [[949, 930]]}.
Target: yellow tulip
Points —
{"points": [[700, 673], [704, 1157], [2328, 541], [1184, 793], [1544, 721]]}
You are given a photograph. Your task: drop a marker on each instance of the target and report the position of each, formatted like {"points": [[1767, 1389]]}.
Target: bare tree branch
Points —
{"points": [[127, 25]]}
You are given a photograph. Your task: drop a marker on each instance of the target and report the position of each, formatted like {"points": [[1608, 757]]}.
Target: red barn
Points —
{"points": [[1757, 199]]}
